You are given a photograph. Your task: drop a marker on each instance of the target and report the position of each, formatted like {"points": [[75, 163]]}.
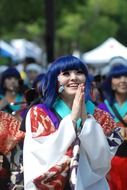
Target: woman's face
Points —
{"points": [[70, 80], [11, 84], [119, 84]]}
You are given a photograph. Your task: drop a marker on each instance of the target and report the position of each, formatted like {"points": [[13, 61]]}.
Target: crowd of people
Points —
{"points": [[63, 129]]}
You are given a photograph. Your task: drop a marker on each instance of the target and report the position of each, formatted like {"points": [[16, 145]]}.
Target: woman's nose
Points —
{"points": [[73, 76]]}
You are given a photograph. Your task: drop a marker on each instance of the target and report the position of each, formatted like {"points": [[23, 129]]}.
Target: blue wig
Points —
{"points": [[61, 64]]}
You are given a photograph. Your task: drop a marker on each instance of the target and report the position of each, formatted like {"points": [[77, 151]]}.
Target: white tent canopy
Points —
{"points": [[103, 53], [27, 48]]}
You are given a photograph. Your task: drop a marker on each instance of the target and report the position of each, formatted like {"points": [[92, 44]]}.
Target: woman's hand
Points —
{"points": [[83, 113], [125, 118], [124, 132], [78, 108]]}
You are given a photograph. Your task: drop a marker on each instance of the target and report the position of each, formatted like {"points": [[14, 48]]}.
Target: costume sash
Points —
{"points": [[122, 109]]}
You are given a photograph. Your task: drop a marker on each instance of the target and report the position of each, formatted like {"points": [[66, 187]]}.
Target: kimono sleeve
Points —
{"points": [[44, 145], [95, 152]]}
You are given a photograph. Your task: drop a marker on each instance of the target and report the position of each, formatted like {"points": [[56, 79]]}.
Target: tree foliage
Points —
{"points": [[79, 24]]}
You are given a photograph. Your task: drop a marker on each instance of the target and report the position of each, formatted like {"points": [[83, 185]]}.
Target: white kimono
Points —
{"points": [[42, 153]]}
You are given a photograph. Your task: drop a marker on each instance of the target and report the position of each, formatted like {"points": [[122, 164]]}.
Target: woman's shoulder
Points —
{"points": [[41, 108], [38, 110], [40, 121]]}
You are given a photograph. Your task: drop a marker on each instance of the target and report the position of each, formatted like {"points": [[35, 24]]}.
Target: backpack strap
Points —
{"points": [[118, 115]]}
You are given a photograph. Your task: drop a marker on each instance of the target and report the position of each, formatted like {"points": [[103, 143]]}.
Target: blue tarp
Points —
{"points": [[4, 53], [6, 50]]}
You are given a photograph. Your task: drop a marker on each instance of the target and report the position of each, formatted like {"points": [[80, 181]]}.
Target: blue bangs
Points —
{"points": [[61, 64], [68, 63]]}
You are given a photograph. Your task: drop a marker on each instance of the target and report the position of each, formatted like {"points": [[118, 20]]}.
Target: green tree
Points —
{"points": [[79, 24]]}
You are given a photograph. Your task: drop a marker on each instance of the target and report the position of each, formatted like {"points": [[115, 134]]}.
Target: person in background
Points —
{"points": [[32, 71], [4, 172], [96, 91], [22, 65], [115, 90], [33, 96], [35, 93], [10, 152], [12, 92], [69, 143], [11, 139]]}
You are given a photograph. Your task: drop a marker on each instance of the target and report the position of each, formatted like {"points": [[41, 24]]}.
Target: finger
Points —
{"points": [[82, 86], [81, 89], [122, 132], [78, 96], [125, 133]]}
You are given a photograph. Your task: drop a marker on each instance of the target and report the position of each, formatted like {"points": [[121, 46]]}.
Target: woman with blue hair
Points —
{"points": [[69, 142], [115, 90]]}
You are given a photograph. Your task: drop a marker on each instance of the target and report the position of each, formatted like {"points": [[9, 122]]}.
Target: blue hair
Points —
{"points": [[61, 64]]}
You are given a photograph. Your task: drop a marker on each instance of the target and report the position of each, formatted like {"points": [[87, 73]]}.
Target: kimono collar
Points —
{"points": [[122, 109], [63, 110]]}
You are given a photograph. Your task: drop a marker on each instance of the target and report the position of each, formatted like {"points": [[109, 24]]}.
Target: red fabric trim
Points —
{"points": [[105, 120], [117, 176]]}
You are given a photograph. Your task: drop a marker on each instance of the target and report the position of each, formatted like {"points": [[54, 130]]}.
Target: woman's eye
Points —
{"points": [[80, 72], [116, 77], [65, 73]]}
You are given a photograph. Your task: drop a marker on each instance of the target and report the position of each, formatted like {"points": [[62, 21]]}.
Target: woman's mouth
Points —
{"points": [[73, 85]]}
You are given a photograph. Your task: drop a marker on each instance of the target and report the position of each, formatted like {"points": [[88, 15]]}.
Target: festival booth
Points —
{"points": [[98, 58]]}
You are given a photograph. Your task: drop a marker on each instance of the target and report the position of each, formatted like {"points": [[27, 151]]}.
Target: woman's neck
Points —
{"points": [[121, 98], [10, 95], [68, 101]]}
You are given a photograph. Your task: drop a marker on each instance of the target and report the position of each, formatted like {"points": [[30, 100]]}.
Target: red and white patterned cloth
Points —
{"points": [[10, 134]]}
